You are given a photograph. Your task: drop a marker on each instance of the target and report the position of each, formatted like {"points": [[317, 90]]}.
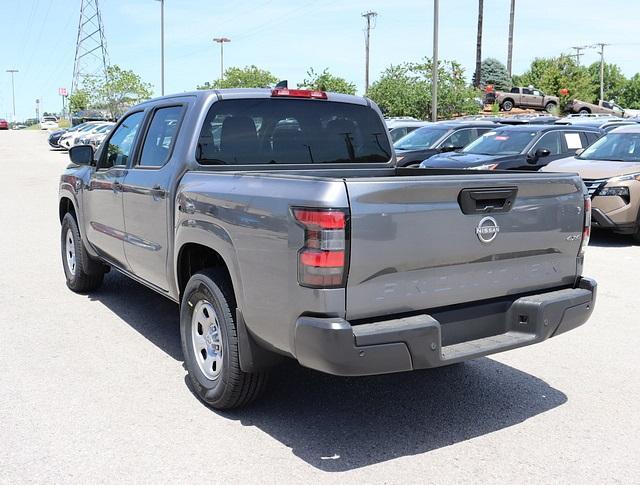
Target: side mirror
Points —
{"points": [[579, 151], [449, 148], [533, 158], [81, 154]]}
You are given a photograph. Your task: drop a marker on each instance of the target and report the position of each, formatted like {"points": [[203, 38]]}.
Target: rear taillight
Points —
{"points": [[586, 231], [322, 261]]}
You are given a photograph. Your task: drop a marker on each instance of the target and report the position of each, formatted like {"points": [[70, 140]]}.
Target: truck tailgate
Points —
{"points": [[413, 248]]}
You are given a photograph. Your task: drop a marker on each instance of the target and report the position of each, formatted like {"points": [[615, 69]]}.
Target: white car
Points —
{"points": [[71, 138], [49, 123], [399, 127], [96, 136]]}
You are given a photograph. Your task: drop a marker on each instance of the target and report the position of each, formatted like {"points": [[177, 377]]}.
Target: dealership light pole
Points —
{"points": [[161, 46], [13, 91], [602, 45], [221, 41], [434, 72]]}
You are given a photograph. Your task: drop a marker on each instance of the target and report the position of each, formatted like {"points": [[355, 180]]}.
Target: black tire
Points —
{"points": [[550, 107], [584, 111], [232, 387], [507, 105], [77, 279]]}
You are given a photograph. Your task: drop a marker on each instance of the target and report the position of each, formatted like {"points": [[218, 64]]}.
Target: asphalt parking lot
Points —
{"points": [[92, 388]]}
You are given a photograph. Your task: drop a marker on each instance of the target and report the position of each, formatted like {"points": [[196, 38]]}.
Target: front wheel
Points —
{"points": [[210, 343], [75, 259], [584, 111], [550, 107]]}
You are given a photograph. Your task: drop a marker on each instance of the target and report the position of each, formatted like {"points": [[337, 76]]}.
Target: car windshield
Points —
{"points": [[614, 147], [291, 131], [421, 138], [500, 143]]}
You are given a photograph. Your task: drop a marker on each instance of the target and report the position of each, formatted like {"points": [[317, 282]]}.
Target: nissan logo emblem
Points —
{"points": [[487, 229]]}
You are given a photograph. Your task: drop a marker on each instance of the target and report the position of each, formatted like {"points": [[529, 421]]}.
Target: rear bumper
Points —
{"points": [[334, 346]]}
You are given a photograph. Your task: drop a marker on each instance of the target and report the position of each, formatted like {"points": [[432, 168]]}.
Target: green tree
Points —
{"points": [[79, 100], [552, 74], [492, 71], [405, 90], [121, 90], [246, 77], [630, 95], [325, 81], [614, 81]]}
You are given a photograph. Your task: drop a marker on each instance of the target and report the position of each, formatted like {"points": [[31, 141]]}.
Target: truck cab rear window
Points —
{"points": [[291, 131]]}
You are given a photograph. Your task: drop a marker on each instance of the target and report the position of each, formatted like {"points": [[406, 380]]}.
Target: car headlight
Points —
{"points": [[615, 192], [625, 178], [486, 166]]}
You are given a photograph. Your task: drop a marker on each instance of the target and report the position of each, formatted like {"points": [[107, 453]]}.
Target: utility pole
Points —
{"points": [[510, 46], [602, 46], [434, 67], [479, 44], [13, 91], [221, 41], [370, 25], [161, 46], [578, 53]]}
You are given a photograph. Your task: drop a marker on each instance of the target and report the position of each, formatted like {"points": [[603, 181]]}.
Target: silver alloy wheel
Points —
{"points": [[70, 251], [207, 339]]}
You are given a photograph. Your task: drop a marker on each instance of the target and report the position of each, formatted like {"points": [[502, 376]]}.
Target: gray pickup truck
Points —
{"points": [[279, 222]]}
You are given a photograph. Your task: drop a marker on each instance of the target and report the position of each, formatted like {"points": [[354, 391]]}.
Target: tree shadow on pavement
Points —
{"points": [[343, 423]]}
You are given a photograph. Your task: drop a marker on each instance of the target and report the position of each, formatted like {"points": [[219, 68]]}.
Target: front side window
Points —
{"points": [[551, 141], [160, 137], [460, 138], [118, 150], [291, 131]]}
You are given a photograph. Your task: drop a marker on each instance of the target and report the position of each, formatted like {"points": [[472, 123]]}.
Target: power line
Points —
{"points": [[578, 50]]}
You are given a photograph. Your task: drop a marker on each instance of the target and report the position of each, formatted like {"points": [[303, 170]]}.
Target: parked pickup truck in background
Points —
{"points": [[603, 107], [520, 97], [279, 222]]}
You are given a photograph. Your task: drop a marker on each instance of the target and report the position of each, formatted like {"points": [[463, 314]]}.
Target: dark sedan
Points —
{"points": [[518, 147], [438, 137]]}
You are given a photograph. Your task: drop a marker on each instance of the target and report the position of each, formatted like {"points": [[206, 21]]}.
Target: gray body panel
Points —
{"points": [[411, 247]]}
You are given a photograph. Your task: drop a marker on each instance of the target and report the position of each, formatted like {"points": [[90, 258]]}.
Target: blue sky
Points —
{"points": [[287, 37]]}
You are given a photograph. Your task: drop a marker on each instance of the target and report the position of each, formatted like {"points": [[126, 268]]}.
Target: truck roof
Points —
{"points": [[249, 93]]}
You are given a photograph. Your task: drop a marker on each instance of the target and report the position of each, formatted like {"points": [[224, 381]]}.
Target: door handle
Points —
{"points": [[117, 187], [158, 192]]}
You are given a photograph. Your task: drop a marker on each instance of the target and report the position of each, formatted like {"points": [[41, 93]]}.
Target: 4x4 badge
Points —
{"points": [[487, 229]]}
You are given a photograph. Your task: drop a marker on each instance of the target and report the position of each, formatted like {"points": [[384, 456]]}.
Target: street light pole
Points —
{"points": [[434, 72], [221, 41], [13, 91], [161, 46]]}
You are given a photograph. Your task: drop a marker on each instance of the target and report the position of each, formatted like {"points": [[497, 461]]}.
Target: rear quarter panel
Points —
{"points": [[246, 218]]}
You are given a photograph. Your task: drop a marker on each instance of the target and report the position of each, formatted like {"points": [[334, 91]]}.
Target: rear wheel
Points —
{"points": [[507, 105], [75, 259], [210, 343]]}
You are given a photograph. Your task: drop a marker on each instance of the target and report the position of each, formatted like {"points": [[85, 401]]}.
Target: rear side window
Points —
{"points": [[291, 131], [160, 137]]}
